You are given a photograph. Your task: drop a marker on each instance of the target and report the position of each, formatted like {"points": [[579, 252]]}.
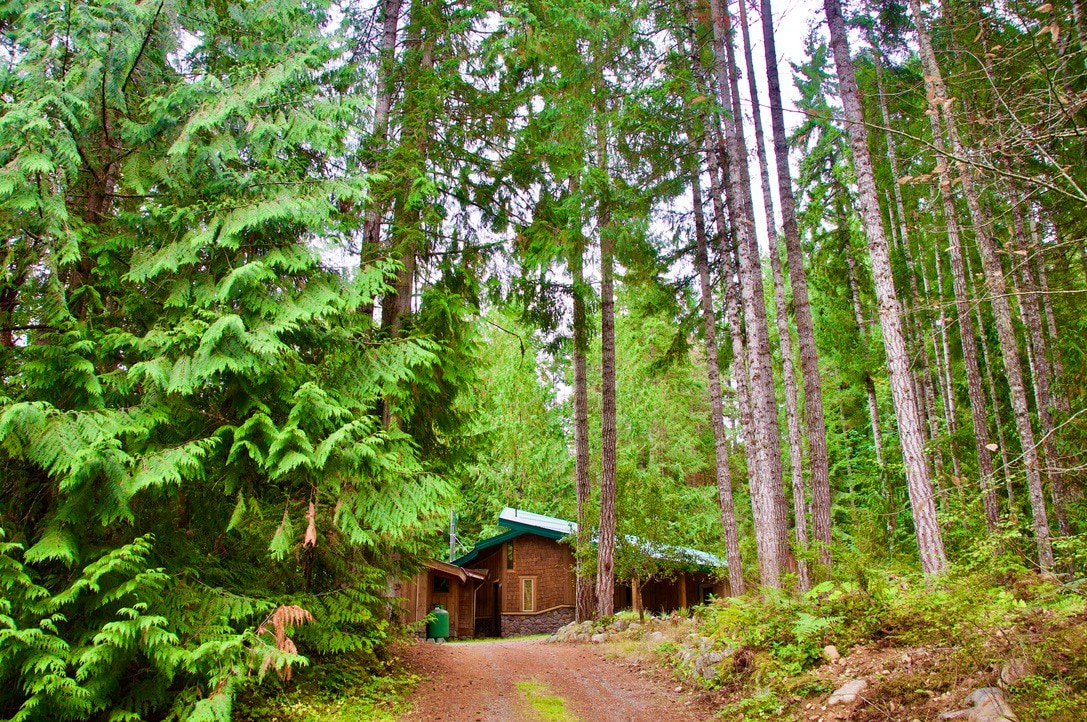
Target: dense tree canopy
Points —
{"points": [[285, 283]]}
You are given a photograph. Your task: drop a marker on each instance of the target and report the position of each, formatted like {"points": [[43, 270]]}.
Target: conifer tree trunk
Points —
{"points": [[713, 374], [768, 500], [818, 464], [929, 540], [950, 409], [726, 233], [967, 337], [994, 276], [920, 379], [1056, 366], [390, 20], [605, 567], [583, 591], [1041, 373], [993, 400], [862, 329], [781, 317], [407, 216]]}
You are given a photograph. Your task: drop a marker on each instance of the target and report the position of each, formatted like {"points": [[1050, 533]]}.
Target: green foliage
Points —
{"points": [[190, 423]]}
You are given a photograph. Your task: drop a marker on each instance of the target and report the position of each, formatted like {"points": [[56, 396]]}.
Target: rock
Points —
{"points": [[830, 653], [848, 692], [655, 637], [986, 705], [1014, 671], [621, 625], [598, 638]]}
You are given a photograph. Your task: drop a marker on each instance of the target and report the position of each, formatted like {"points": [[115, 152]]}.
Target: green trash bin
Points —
{"points": [[438, 627]]}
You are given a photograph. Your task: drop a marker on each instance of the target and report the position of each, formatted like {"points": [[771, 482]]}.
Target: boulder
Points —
{"points": [[1013, 671], [598, 638], [830, 653], [848, 692], [655, 637], [985, 705]]}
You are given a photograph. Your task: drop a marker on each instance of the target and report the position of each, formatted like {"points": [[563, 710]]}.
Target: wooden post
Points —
{"points": [[683, 590]]}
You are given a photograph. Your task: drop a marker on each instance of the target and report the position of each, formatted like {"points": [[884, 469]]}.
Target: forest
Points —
{"points": [[286, 282]]}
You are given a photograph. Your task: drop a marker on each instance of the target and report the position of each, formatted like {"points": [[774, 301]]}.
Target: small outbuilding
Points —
{"points": [[453, 587]]}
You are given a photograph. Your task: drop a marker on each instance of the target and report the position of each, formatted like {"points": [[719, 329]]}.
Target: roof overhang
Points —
{"points": [[453, 570]]}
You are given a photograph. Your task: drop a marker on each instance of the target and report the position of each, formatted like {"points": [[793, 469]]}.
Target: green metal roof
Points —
{"points": [[486, 544], [520, 522]]}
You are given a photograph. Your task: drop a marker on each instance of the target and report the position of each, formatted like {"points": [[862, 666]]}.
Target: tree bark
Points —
{"points": [[781, 317], [966, 335], [950, 410], [1041, 372], [818, 464], [990, 389], [929, 540], [920, 379], [713, 374], [583, 587], [1056, 366], [605, 567], [862, 330], [406, 233], [768, 500], [371, 233], [994, 275], [726, 233]]}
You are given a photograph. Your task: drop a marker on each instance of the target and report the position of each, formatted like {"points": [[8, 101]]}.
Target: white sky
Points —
{"points": [[792, 21]]}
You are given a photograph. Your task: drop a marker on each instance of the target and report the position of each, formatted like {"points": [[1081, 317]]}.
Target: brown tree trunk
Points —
{"points": [[768, 500], [605, 565], [371, 234], [726, 232], [862, 329], [406, 233], [584, 592], [1056, 366], [818, 464], [950, 409], [966, 335], [993, 399], [929, 541], [717, 409], [781, 317], [1041, 373], [994, 276], [920, 380]]}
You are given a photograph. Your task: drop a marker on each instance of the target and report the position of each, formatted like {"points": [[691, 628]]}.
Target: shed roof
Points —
{"points": [[519, 521], [454, 571]]}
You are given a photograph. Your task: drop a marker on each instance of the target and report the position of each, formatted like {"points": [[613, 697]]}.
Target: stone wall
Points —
{"points": [[516, 625]]}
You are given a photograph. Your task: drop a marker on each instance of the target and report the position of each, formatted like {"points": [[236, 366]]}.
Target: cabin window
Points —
{"points": [[441, 585], [528, 594], [509, 555]]}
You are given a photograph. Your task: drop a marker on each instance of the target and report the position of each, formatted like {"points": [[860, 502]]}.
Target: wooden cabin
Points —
{"points": [[522, 581]]}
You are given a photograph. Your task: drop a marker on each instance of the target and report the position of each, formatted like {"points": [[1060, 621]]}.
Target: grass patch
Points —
{"points": [[548, 707]]}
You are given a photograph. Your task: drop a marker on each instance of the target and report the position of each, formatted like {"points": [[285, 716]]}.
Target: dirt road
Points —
{"points": [[501, 680]]}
